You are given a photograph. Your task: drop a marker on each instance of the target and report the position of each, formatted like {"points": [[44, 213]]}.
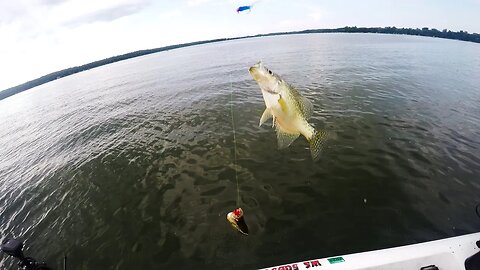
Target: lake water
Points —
{"points": [[130, 165]]}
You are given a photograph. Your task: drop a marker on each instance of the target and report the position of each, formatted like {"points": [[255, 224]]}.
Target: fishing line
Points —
{"points": [[235, 217], [234, 140]]}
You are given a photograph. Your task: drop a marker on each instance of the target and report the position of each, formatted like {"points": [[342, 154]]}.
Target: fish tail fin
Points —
{"points": [[317, 142]]}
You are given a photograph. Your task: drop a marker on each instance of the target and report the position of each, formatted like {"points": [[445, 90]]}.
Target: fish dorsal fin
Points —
{"points": [[267, 114], [307, 107], [284, 139]]}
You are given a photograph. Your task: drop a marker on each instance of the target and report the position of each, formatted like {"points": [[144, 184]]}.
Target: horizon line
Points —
{"points": [[425, 31]]}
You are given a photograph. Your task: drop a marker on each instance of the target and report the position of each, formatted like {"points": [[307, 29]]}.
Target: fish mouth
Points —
{"points": [[259, 74], [254, 72], [255, 68]]}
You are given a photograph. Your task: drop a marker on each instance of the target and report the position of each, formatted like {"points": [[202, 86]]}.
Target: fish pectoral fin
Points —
{"points": [[307, 107], [283, 104], [285, 139], [267, 114]]}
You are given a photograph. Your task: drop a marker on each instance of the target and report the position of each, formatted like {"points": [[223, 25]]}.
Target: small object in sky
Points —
{"points": [[365, 200], [244, 8], [289, 110], [237, 221]]}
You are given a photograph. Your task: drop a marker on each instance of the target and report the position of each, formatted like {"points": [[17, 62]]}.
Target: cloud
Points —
{"points": [[107, 14], [52, 2], [24, 21], [30, 16], [316, 15], [11, 11], [193, 3]]}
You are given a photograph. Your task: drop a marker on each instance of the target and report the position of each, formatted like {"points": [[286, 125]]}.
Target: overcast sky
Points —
{"points": [[38, 37]]}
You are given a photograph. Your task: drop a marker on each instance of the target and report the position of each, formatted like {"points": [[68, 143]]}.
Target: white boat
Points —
{"points": [[455, 253]]}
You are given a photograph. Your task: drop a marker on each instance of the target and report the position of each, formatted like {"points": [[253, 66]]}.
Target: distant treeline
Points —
{"points": [[445, 33], [461, 35]]}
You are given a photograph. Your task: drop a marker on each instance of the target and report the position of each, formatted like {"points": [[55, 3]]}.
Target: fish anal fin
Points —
{"points": [[284, 138], [267, 114]]}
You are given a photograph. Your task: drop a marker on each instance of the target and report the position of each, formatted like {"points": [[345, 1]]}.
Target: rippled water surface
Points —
{"points": [[130, 165]]}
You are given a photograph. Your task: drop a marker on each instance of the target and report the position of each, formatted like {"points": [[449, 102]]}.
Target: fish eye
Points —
{"points": [[270, 72]]}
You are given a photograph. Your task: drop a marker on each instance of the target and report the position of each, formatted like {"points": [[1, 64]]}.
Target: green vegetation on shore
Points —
{"points": [[461, 35]]}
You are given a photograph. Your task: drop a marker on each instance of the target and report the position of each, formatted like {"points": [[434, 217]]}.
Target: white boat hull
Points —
{"points": [[446, 254]]}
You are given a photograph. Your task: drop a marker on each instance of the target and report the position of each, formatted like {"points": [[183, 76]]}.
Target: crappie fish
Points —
{"points": [[289, 110]]}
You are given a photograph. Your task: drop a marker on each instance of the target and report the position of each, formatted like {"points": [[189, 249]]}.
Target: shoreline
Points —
{"points": [[426, 32]]}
